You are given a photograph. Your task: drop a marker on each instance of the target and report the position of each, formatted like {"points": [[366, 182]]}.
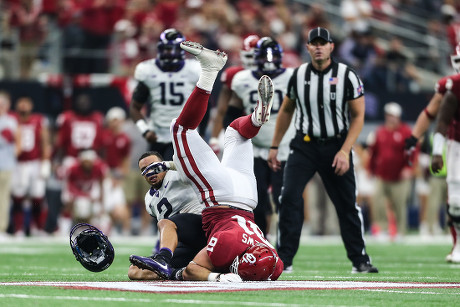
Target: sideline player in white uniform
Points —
{"points": [[175, 206], [227, 188], [268, 58], [165, 83]]}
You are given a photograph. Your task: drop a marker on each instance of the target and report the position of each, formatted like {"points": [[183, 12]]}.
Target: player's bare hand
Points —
{"points": [[273, 161], [341, 163], [150, 136], [436, 163]]}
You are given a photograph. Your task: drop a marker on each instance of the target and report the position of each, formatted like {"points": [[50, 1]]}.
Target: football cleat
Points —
{"points": [[288, 270], [265, 91], [455, 254], [154, 264], [364, 267], [210, 60]]}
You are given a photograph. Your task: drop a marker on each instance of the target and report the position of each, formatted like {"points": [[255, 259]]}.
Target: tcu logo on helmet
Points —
{"points": [[248, 258]]}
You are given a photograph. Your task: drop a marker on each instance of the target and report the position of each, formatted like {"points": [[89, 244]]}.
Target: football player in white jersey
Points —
{"points": [[165, 82], [268, 57], [174, 204]]}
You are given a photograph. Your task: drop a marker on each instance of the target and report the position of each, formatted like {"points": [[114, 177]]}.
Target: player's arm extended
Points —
{"points": [[201, 268], [140, 96]]}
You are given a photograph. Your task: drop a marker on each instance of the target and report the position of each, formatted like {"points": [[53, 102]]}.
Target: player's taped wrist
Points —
{"points": [[438, 144], [142, 126], [213, 141], [213, 276]]}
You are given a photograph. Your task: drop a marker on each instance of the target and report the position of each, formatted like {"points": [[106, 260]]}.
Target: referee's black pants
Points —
{"points": [[305, 159]]}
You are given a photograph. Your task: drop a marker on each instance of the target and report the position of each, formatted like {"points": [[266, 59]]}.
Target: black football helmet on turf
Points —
{"points": [[268, 55], [170, 56], [91, 247]]}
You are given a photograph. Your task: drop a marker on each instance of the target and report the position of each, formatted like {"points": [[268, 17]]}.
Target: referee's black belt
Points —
{"points": [[320, 140]]}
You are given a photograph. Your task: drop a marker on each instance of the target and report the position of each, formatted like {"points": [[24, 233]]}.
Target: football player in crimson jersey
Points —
{"points": [[247, 61], [227, 189], [82, 194], [268, 55], [164, 83], [116, 153], [34, 167], [448, 124], [424, 120]]}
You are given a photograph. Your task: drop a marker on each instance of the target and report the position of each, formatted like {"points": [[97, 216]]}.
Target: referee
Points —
{"points": [[329, 98]]}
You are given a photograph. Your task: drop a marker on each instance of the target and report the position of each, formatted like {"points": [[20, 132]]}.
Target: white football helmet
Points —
{"points": [[455, 59], [247, 51]]}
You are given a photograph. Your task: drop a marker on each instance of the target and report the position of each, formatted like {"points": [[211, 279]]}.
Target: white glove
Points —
{"points": [[45, 169], [229, 277]]}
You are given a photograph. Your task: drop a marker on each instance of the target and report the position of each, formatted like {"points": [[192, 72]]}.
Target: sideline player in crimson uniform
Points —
{"points": [[268, 58], [247, 61], [388, 164], [29, 179], [82, 194], [116, 153], [227, 189], [449, 125], [422, 124], [78, 129], [165, 83]]}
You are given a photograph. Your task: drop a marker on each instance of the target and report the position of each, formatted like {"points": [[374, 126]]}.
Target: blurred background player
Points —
{"points": [[33, 168], [423, 122], [247, 62], [9, 149], [116, 153], [448, 125], [82, 193], [165, 83], [388, 164], [268, 56], [77, 129]]}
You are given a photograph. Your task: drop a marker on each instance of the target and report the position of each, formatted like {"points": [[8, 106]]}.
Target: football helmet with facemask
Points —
{"points": [[170, 56], [455, 59], [257, 263], [91, 247], [247, 51], [268, 55]]}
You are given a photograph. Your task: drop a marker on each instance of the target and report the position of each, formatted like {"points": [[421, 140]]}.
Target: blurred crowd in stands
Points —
{"points": [[112, 36]]}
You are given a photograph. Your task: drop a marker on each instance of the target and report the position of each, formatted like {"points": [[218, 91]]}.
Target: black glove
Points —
{"points": [[409, 149], [410, 143]]}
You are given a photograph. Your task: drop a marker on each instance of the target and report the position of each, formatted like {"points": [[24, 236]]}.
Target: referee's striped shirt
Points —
{"points": [[321, 98]]}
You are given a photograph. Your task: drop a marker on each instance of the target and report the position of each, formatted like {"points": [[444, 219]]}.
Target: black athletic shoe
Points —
{"points": [[365, 267]]}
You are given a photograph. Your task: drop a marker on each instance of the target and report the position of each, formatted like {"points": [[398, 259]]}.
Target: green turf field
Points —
{"points": [[414, 261]]}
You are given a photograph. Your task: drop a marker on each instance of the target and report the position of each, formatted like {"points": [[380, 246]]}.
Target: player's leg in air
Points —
{"points": [[194, 158]]}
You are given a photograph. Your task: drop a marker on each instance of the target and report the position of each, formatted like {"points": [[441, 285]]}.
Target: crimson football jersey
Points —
{"points": [[31, 128], [441, 87], [116, 147], [80, 182], [77, 132], [228, 74], [230, 233]]}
